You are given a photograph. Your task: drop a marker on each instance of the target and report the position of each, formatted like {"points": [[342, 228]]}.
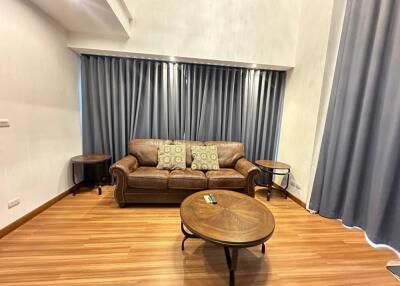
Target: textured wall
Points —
{"points": [[307, 90], [251, 31]]}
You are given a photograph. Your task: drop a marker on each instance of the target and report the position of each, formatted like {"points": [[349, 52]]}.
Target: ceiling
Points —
{"points": [[100, 17]]}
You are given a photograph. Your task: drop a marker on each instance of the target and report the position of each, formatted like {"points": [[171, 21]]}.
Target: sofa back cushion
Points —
{"points": [[188, 145], [146, 150], [228, 152]]}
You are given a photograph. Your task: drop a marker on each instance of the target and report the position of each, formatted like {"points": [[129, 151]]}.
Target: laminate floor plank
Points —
{"points": [[87, 240]]}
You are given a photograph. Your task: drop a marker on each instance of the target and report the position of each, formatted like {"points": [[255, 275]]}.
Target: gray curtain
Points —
{"points": [[126, 98], [357, 176], [235, 105]]}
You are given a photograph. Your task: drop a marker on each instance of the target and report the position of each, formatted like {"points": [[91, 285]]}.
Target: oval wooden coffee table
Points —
{"points": [[236, 221]]}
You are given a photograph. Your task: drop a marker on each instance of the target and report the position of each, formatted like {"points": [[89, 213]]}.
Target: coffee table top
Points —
{"points": [[90, 159], [236, 220], [272, 164]]}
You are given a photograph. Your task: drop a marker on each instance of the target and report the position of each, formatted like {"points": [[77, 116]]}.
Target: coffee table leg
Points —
{"points": [[187, 235], [263, 248], [231, 260]]}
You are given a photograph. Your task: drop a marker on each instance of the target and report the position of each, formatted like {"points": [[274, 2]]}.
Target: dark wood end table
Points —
{"points": [[95, 170], [271, 168], [236, 221]]}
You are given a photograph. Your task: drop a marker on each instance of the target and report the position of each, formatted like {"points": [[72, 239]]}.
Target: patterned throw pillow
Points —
{"points": [[205, 158], [172, 157]]}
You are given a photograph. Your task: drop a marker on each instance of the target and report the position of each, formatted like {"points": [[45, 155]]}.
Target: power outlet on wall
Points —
{"points": [[14, 202]]}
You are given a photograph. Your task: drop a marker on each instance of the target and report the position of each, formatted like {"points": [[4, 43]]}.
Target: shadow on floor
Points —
{"points": [[204, 264]]}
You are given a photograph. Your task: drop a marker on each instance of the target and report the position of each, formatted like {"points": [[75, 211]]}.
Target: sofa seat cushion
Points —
{"points": [[225, 178], [148, 178], [187, 179]]}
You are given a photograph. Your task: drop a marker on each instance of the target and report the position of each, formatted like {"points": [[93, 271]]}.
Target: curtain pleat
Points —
{"points": [[123, 99]]}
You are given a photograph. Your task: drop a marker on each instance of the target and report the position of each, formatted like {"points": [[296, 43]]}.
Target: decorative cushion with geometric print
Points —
{"points": [[205, 158], [171, 157]]}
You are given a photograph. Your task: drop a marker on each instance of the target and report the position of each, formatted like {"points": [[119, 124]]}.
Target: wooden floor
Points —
{"points": [[88, 240]]}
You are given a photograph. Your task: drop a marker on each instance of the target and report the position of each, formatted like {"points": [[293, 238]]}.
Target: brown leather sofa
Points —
{"points": [[139, 181]]}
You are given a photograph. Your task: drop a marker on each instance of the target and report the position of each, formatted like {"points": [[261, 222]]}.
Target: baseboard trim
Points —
{"points": [[14, 225], [292, 197], [296, 200]]}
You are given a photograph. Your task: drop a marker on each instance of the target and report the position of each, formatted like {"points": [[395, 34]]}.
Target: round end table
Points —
{"points": [[95, 170], [271, 168]]}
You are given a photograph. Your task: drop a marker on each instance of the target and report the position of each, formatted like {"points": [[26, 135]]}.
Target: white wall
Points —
{"points": [[252, 31], [338, 12], [39, 95], [307, 90]]}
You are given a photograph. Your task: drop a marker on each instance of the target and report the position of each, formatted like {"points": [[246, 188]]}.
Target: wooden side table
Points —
{"points": [[271, 168], [95, 171]]}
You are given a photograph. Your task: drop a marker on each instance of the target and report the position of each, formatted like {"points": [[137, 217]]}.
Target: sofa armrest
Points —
{"points": [[120, 171], [250, 171], [127, 165]]}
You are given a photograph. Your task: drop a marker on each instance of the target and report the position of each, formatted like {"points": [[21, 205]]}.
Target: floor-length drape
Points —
{"points": [[357, 177], [234, 104], [126, 98]]}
